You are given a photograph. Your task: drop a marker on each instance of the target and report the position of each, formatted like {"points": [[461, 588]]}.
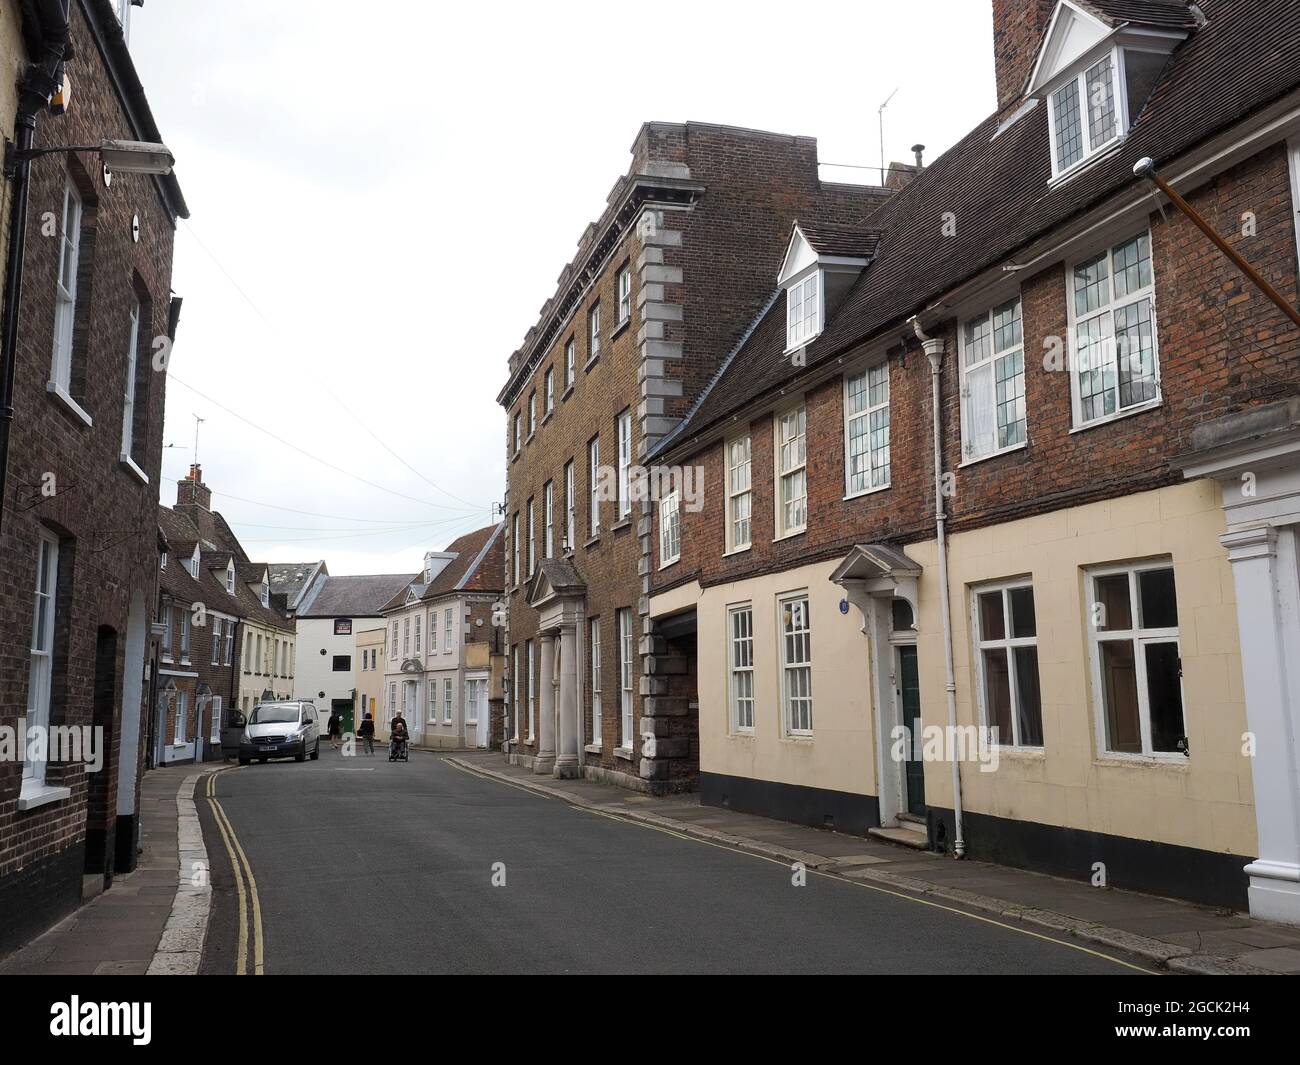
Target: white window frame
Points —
{"points": [[433, 630], [214, 709], [514, 691], [736, 494], [65, 295], [596, 706], [973, 450], [869, 412], [182, 714], [801, 327], [550, 389], [474, 687], [570, 367], [626, 676], [1140, 637], [1119, 95], [217, 625], [670, 529], [448, 630], [532, 414], [548, 520], [532, 694], [519, 432], [624, 426], [40, 675], [128, 396], [741, 717], [593, 332], [406, 636], [624, 295], [1106, 315], [789, 725], [448, 699], [784, 471], [570, 505], [593, 485], [392, 653], [1008, 644], [532, 539], [418, 641], [515, 547]]}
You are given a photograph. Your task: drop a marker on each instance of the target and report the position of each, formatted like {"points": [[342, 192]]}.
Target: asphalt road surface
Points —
{"points": [[365, 866]]}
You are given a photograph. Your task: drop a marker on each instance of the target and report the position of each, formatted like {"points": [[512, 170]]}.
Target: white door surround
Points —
{"points": [[1255, 457]]}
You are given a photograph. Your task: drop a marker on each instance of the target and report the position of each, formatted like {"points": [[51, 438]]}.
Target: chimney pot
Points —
{"points": [[918, 150]]}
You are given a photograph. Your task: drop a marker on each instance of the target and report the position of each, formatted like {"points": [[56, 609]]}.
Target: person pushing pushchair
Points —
{"points": [[398, 738]]}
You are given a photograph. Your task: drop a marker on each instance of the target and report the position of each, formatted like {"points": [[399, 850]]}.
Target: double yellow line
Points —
{"points": [[249, 903]]}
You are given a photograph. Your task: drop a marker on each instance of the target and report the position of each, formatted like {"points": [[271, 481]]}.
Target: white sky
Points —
{"points": [[394, 188]]}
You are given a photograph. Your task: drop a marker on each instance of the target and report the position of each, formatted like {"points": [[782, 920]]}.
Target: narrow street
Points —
{"points": [[343, 888]]}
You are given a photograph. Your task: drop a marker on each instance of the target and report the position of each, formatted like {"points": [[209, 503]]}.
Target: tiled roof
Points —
{"points": [[470, 570], [997, 188], [1156, 14], [826, 238], [290, 577], [354, 596]]}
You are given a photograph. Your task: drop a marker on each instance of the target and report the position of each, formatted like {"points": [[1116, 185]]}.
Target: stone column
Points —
{"points": [[546, 707], [1264, 571], [566, 764]]}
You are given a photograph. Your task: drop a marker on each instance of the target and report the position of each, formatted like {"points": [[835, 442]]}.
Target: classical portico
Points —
{"points": [[874, 577], [559, 595], [1255, 457]]}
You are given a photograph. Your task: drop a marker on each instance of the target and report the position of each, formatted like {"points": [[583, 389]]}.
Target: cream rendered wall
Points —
{"points": [[370, 682], [840, 755], [1205, 801]]}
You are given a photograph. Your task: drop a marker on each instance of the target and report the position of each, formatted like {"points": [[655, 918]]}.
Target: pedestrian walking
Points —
{"points": [[368, 733], [334, 728]]}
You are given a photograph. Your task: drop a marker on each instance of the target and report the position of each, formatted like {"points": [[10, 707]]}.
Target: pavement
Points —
{"points": [[1169, 934], [121, 931]]}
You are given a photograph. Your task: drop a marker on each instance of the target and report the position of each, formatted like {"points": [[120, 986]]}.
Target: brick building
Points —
{"points": [[1095, 585], [199, 650], [78, 520], [662, 283]]}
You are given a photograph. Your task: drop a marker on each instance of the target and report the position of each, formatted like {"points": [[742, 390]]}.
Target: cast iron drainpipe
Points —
{"points": [[934, 352], [32, 97]]}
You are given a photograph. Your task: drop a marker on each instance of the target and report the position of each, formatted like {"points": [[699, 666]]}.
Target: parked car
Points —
{"points": [[280, 730]]}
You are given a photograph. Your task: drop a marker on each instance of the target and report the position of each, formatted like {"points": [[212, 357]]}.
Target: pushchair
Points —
{"points": [[397, 745]]}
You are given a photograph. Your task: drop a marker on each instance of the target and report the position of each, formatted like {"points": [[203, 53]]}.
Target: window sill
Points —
{"points": [[529, 438], [868, 492], [738, 550], [515, 456], [789, 535], [548, 415], [741, 734], [592, 542], [34, 795], [993, 455], [566, 393], [129, 464], [1172, 760], [593, 748], [621, 524], [621, 327], [71, 405], [1086, 163], [1120, 415], [798, 737], [591, 362], [625, 753]]}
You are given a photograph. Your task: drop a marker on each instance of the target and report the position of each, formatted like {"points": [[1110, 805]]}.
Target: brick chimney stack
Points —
{"points": [[192, 491], [1018, 28]]}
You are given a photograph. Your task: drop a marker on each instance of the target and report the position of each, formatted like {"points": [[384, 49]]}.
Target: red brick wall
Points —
{"points": [[1222, 347], [105, 517]]}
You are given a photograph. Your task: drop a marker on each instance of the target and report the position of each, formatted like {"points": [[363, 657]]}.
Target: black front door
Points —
{"points": [[909, 693]]}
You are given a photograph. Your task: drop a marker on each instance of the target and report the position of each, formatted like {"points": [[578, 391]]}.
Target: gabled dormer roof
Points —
{"points": [[1082, 29], [826, 244]]}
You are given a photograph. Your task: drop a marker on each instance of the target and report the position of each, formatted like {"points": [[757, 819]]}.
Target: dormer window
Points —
{"points": [[192, 566], [821, 264], [162, 563], [266, 594], [1084, 113], [230, 579], [802, 311], [1095, 70]]}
